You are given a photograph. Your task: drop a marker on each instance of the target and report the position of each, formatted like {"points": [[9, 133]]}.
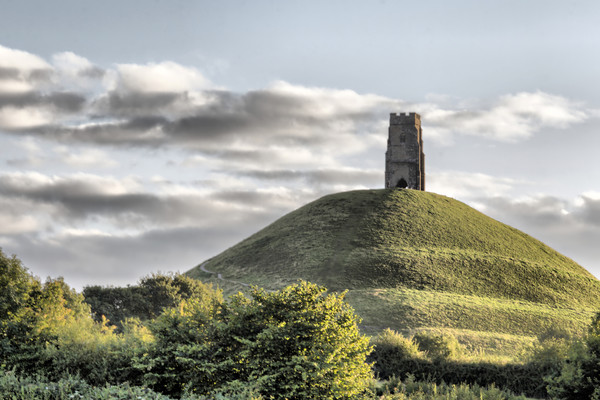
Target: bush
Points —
{"points": [[439, 347], [397, 356], [294, 343], [394, 353], [410, 389], [144, 301], [15, 387], [579, 377]]}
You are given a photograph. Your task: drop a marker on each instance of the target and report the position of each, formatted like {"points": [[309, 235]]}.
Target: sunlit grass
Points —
{"points": [[417, 260]]}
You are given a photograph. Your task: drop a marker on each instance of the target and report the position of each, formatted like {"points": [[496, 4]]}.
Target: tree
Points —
{"points": [[301, 343], [296, 343], [17, 286], [580, 374], [19, 291], [145, 301]]}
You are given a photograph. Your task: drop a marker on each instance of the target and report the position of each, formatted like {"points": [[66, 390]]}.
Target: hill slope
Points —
{"points": [[415, 260], [405, 239]]}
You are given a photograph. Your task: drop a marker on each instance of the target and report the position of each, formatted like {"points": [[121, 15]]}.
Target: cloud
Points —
{"points": [[237, 161], [469, 185], [21, 71], [88, 258], [74, 72], [168, 104], [119, 205], [317, 177], [164, 77], [74, 65], [512, 118]]}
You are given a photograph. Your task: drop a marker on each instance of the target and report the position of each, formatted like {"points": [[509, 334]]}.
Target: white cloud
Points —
{"points": [[20, 71], [469, 185], [512, 118], [164, 77], [75, 72], [71, 63], [29, 183], [11, 224], [22, 60], [16, 118]]}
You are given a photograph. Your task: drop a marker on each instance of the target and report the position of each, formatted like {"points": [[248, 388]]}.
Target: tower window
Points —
{"points": [[402, 184]]}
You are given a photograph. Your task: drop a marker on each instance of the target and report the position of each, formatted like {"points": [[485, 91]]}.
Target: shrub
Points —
{"points": [[439, 347], [295, 343], [16, 387], [579, 377], [144, 301], [394, 353], [410, 389]]}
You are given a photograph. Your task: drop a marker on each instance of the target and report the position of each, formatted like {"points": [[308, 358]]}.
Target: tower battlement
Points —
{"points": [[405, 118], [404, 158]]}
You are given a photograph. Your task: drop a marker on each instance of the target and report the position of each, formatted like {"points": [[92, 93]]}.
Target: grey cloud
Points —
{"points": [[548, 212], [131, 132], [66, 101], [318, 177], [120, 260], [589, 211], [208, 127], [9, 73], [76, 200], [544, 211], [133, 104], [40, 75], [92, 73], [258, 117], [63, 101]]}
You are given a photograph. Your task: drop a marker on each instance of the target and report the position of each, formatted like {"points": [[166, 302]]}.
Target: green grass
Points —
{"points": [[406, 309], [416, 260], [489, 328]]}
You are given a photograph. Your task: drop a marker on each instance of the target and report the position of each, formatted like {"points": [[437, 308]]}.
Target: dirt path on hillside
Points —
{"points": [[219, 276]]}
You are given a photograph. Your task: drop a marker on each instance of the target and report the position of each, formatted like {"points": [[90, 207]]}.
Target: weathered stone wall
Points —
{"points": [[404, 158]]}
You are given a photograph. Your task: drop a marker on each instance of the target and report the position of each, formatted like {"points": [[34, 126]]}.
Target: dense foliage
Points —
{"points": [[36, 388], [295, 343], [579, 377], [144, 301], [438, 358], [181, 339]]}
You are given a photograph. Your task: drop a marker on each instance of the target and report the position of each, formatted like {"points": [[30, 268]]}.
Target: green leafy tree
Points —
{"points": [[393, 352], [144, 301], [580, 374], [296, 343], [185, 345], [438, 347], [17, 286], [300, 342]]}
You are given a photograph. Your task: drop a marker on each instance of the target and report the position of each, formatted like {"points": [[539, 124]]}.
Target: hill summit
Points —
{"points": [[405, 239]]}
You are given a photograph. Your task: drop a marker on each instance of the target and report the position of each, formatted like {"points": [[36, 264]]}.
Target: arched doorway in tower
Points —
{"points": [[402, 184]]}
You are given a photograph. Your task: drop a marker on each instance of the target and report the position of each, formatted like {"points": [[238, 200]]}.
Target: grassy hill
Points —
{"points": [[416, 260]]}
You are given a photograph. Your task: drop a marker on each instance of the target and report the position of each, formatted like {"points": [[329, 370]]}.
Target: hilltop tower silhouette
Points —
{"points": [[404, 158]]}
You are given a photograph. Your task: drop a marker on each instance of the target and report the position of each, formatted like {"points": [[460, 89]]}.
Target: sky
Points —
{"points": [[147, 136]]}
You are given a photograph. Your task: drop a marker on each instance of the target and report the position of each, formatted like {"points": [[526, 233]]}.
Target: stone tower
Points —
{"points": [[404, 158]]}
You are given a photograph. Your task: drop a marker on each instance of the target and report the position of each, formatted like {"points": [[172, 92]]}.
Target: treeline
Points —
{"points": [[300, 342], [174, 337]]}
